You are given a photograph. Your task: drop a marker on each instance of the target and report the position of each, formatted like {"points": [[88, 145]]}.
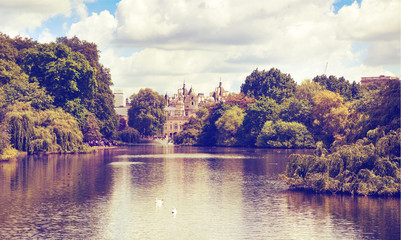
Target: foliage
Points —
{"points": [[4, 137], [307, 90], [384, 110], [228, 124], [20, 90], [285, 135], [340, 85], [209, 135], [358, 168], [147, 112], [90, 128], [190, 135], [272, 84], [128, 135], [101, 104], [296, 110], [8, 153], [43, 131], [330, 115], [65, 74], [239, 99], [257, 114]]}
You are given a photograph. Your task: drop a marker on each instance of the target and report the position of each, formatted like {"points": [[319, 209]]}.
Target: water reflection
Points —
{"points": [[219, 193]]}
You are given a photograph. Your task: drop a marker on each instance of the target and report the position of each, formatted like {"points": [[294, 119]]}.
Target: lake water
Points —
{"points": [[219, 193]]}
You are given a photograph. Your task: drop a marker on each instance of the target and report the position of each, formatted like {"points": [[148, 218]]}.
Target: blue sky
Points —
{"points": [[159, 44]]}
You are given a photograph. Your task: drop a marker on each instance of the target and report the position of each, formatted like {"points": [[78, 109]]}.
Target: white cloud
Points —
{"points": [[376, 23], [98, 28], [17, 16], [46, 36], [161, 43], [373, 20]]}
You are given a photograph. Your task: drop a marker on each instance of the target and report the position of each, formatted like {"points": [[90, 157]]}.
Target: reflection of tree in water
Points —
{"points": [[375, 218]]}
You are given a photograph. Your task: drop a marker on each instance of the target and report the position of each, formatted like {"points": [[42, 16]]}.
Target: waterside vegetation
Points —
{"points": [[54, 97]]}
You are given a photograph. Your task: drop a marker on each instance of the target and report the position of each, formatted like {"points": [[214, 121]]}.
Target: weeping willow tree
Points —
{"points": [[35, 131]]}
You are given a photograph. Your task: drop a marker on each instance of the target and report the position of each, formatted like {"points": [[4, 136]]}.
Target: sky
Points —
{"points": [[161, 44]]}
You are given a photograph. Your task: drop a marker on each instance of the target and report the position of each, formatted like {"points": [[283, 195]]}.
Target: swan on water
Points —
{"points": [[159, 201]]}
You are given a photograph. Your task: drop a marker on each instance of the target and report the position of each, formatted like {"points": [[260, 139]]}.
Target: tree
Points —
{"points": [[339, 85], [128, 135], [147, 112], [10, 71], [192, 130], [285, 135], [90, 129], [20, 90], [384, 107], [102, 103], [273, 84], [256, 115], [296, 110], [307, 90], [239, 99], [228, 125], [65, 74], [330, 116], [34, 131]]}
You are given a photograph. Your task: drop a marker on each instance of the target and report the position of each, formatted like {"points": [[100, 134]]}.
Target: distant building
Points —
{"points": [[119, 100], [219, 94], [379, 79], [184, 104], [121, 104]]}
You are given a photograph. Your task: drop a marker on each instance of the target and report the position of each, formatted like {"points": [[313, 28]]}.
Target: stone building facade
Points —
{"points": [[184, 104]]}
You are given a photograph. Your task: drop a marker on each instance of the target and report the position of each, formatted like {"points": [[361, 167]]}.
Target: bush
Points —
{"points": [[128, 135], [285, 135]]}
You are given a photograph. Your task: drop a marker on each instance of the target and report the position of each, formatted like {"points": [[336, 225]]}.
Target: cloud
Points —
{"points": [[98, 28], [376, 23], [17, 16], [161, 43], [46, 36], [374, 20]]}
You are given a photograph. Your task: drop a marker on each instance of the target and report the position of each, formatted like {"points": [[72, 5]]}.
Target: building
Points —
{"points": [[119, 100], [219, 94], [121, 105], [379, 79], [184, 104]]}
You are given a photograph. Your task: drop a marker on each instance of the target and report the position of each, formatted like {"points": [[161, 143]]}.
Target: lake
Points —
{"points": [[219, 193]]}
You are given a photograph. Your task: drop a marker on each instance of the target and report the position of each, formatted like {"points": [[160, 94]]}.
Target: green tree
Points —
{"points": [[192, 130], [147, 112], [285, 135], [128, 135], [256, 115], [307, 90], [33, 130], [65, 74], [20, 90], [339, 85], [330, 116], [384, 107], [228, 125], [209, 135], [102, 103], [90, 129], [296, 110], [273, 84]]}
